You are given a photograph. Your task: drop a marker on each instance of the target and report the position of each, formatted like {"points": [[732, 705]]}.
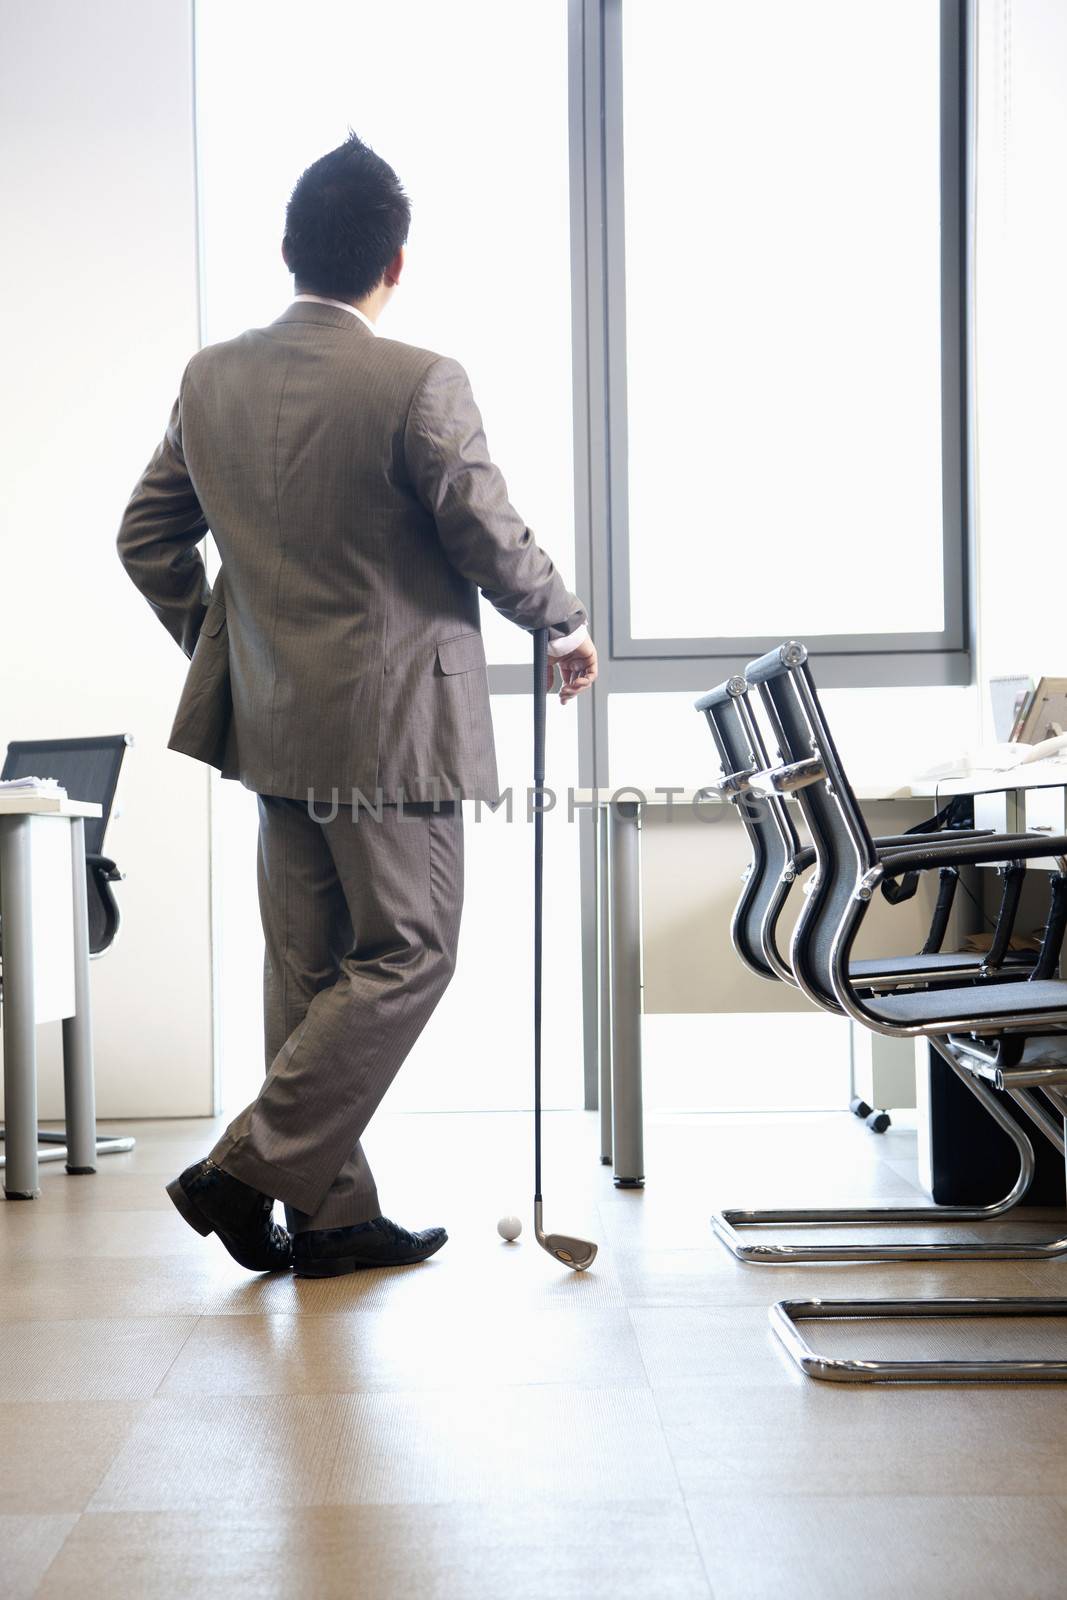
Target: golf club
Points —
{"points": [[575, 1253]]}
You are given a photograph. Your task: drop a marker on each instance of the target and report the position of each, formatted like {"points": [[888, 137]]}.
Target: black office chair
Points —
{"points": [[1011, 1035], [766, 815], [88, 769], [779, 860]]}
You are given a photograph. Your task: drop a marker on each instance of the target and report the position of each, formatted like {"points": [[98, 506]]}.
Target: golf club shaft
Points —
{"points": [[539, 703]]}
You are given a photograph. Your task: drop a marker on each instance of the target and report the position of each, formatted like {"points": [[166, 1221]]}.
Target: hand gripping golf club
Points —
{"points": [[575, 1253]]}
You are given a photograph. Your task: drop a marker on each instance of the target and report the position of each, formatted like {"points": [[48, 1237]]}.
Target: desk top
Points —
{"points": [[46, 805], [650, 795], [1035, 775]]}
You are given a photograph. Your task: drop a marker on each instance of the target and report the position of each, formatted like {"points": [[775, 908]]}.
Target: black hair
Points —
{"points": [[345, 221]]}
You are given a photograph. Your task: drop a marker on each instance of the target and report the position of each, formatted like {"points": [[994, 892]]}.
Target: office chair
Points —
{"points": [[727, 711], [778, 860], [88, 769], [1008, 1034]]}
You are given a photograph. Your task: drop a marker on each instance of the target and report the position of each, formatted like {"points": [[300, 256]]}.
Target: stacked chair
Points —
{"points": [[999, 1021]]}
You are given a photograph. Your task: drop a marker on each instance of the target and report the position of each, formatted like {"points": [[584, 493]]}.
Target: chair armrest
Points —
{"points": [[733, 783], [998, 847], [105, 867], [787, 779], [909, 841], [805, 857]]}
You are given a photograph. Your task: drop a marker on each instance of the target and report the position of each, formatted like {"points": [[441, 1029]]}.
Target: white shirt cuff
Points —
{"points": [[570, 641]]}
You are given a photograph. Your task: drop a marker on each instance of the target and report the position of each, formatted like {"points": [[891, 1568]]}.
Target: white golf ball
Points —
{"points": [[509, 1227]]}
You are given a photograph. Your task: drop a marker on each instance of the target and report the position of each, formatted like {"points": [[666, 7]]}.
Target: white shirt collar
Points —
{"points": [[343, 306]]}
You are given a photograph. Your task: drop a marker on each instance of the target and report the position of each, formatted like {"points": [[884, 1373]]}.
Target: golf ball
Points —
{"points": [[509, 1227]]}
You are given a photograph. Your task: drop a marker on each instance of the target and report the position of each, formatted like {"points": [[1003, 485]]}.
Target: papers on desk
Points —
{"points": [[27, 787], [1002, 758]]}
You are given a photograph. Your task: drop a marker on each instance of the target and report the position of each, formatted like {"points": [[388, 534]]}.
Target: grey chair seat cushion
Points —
{"points": [[945, 962], [980, 1000]]}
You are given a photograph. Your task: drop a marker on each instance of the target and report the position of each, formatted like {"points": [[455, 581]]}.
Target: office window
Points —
{"points": [[478, 134], [782, 167], [468, 103]]}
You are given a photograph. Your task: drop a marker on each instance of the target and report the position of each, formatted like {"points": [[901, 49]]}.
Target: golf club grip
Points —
{"points": [[539, 701]]}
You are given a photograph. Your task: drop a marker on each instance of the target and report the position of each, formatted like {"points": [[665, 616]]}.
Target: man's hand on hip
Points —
{"points": [[578, 668]]}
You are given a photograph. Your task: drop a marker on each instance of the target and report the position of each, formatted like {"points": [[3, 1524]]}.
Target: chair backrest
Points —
{"points": [[843, 844], [770, 831], [87, 768]]}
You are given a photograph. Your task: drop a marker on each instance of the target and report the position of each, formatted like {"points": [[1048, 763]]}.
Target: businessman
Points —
{"points": [[337, 669]]}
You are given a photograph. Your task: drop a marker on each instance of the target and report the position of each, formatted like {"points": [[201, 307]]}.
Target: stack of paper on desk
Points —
{"points": [[31, 786]]}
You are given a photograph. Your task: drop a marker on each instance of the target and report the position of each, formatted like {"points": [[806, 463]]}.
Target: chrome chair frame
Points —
{"points": [[769, 786], [975, 1029], [786, 1316]]}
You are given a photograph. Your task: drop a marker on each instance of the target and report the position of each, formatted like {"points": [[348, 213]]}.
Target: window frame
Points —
{"points": [[844, 660]]}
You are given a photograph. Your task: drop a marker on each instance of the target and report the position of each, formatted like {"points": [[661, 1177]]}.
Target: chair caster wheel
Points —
{"points": [[859, 1108], [878, 1121]]}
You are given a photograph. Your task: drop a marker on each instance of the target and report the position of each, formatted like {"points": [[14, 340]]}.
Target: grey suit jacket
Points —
{"points": [[347, 484]]}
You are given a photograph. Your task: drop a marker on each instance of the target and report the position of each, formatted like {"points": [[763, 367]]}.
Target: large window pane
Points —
{"points": [[468, 102], [440, 91], [783, 317]]}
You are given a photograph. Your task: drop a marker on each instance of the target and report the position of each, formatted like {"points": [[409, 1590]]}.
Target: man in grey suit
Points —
{"points": [[337, 670]]}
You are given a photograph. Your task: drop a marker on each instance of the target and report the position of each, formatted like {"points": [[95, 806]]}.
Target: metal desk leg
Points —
{"points": [[20, 1030], [79, 1093], [603, 887], [589, 878], [625, 852]]}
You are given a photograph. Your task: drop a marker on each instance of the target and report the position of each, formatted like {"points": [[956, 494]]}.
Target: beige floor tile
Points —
{"points": [[75, 1287], [907, 1168], [824, 1438], [89, 1359], [54, 1456], [714, 1278], [518, 1276], [27, 1546], [434, 1445], [945, 1548], [394, 1350], [107, 1189], [163, 1147], [627, 1551], [706, 1345], [293, 1428], [941, 1339], [26, 1232], [680, 1218]]}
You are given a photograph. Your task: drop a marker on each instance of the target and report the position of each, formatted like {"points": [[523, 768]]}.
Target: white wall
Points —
{"points": [[98, 282]]}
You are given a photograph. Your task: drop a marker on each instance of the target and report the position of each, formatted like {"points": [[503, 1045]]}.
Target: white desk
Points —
{"points": [[1030, 799], [617, 817], [43, 907]]}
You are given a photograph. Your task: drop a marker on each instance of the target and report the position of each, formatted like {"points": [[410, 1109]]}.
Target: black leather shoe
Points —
{"points": [[211, 1201], [329, 1252]]}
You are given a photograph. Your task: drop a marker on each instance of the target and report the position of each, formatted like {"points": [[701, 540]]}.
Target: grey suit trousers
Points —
{"points": [[361, 912]]}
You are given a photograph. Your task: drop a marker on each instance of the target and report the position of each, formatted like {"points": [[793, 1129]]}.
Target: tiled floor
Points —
{"points": [[487, 1426]]}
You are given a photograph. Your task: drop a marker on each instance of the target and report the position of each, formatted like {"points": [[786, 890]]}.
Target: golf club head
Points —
{"points": [[570, 1252]]}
